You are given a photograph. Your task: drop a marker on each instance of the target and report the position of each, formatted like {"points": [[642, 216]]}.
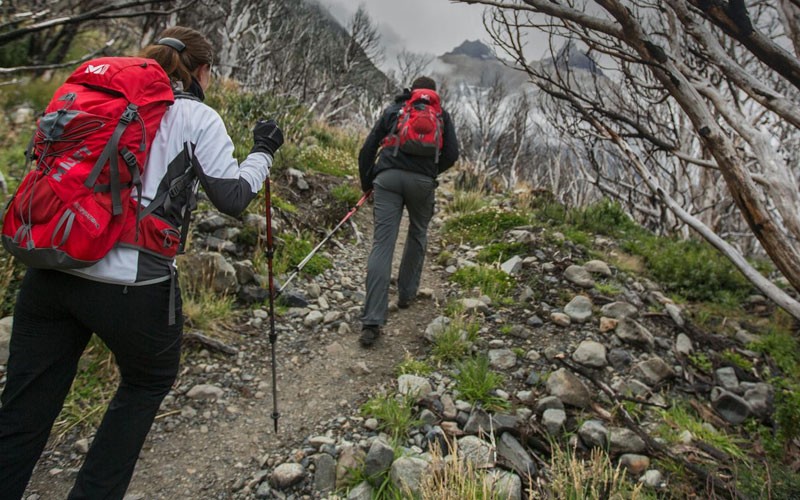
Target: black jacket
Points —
{"points": [[368, 168]]}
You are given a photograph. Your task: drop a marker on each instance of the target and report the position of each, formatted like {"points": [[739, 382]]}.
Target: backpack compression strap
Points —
{"points": [[109, 155]]}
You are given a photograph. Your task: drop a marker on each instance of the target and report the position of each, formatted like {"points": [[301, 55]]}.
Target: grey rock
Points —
{"points": [[731, 407], [534, 321], [503, 422], [675, 313], [631, 332], [579, 309], [593, 434], [568, 388], [413, 385], [619, 358], [361, 492], [590, 353], [436, 327], [745, 337], [427, 417], [654, 370], [476, 451], [510, 449], [619, 310], [379, 458], [313, 290], [652, 479], [211, 268], [553, 420], [507, 485], [598, 267], [351, 459], [512, 265], [548, 403], [245, 274], [313, 318], [624, 440], [579, 276], [502, 359], [760, 398], [474, 305], [726, 377], [205, 391], [479, 422], [560, 319], [324, 473], [407, 473], [683, 345], [286, 475]]}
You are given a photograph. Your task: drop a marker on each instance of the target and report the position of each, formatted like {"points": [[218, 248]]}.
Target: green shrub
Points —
{"points": [[347, 194], [292, 251], [476, 383], [499, 252], [787, 409], [691, 268], [395, 413], [783, 348], [465, 202], [240, 110], [492, 282], [451, 344], [328, 161], [604, 217], [483, 226]]}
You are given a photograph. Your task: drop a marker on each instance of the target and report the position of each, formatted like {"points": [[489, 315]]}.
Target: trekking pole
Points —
{"points": [[272, 295], [299, 267]]}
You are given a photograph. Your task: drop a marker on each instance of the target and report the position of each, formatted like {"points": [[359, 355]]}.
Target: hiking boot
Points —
{"points": [[405, 303], [369, 334]]}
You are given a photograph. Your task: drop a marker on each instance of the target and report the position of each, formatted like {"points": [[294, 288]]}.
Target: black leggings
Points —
{"points": [[55, 316]]}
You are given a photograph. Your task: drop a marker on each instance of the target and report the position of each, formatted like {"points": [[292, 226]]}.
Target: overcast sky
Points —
{"points": [[423, 26]]}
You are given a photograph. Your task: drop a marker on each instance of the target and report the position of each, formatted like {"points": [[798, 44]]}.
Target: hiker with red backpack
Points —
{"points": [[99, 227], [414, 141]]}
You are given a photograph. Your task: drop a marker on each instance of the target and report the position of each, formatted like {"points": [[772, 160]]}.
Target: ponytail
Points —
{"points": [[180, 51]]}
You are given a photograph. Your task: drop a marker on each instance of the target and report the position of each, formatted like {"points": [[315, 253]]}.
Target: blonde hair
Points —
{"points": [[180, 65]]}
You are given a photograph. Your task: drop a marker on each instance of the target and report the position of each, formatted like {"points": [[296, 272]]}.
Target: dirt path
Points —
{"points": [[214, 453]]}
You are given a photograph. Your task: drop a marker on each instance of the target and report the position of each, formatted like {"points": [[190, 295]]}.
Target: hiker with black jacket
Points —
{"points": [[404, 175], [130, 298]]}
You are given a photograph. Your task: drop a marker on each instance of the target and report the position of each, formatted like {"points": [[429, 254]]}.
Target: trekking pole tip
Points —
{"points": [[275, 417]]}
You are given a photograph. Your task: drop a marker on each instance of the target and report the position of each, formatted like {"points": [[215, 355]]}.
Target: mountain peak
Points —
{"points": [[570, 56], [473, 48]]}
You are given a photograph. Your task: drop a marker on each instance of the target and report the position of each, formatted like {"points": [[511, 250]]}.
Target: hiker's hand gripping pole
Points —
{"points": [[299, 267], [273, 336]]}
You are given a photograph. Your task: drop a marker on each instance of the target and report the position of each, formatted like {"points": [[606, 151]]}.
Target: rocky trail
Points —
{"points": [[208, 444]]}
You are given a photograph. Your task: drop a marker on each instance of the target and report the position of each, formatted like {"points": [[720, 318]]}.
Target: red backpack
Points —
{"points": [[420, 126], [89, 149]]}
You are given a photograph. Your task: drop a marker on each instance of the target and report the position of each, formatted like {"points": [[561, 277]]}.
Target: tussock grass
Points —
{"points": [[679, 418], [483, 226], [395, 413], [455, 341], [476, 383], [465, 202], [488, 280], [451, 478], [573, 478], [411, 366]]}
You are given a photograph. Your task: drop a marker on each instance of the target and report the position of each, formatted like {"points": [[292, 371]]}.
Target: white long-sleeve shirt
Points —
{"points": [[191, 136]]}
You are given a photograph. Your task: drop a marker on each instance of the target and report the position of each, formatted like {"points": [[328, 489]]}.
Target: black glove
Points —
{"points": [[267, 137]]}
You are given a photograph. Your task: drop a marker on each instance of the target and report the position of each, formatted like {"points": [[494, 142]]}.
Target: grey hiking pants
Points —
{"points": [[393, 190]]}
